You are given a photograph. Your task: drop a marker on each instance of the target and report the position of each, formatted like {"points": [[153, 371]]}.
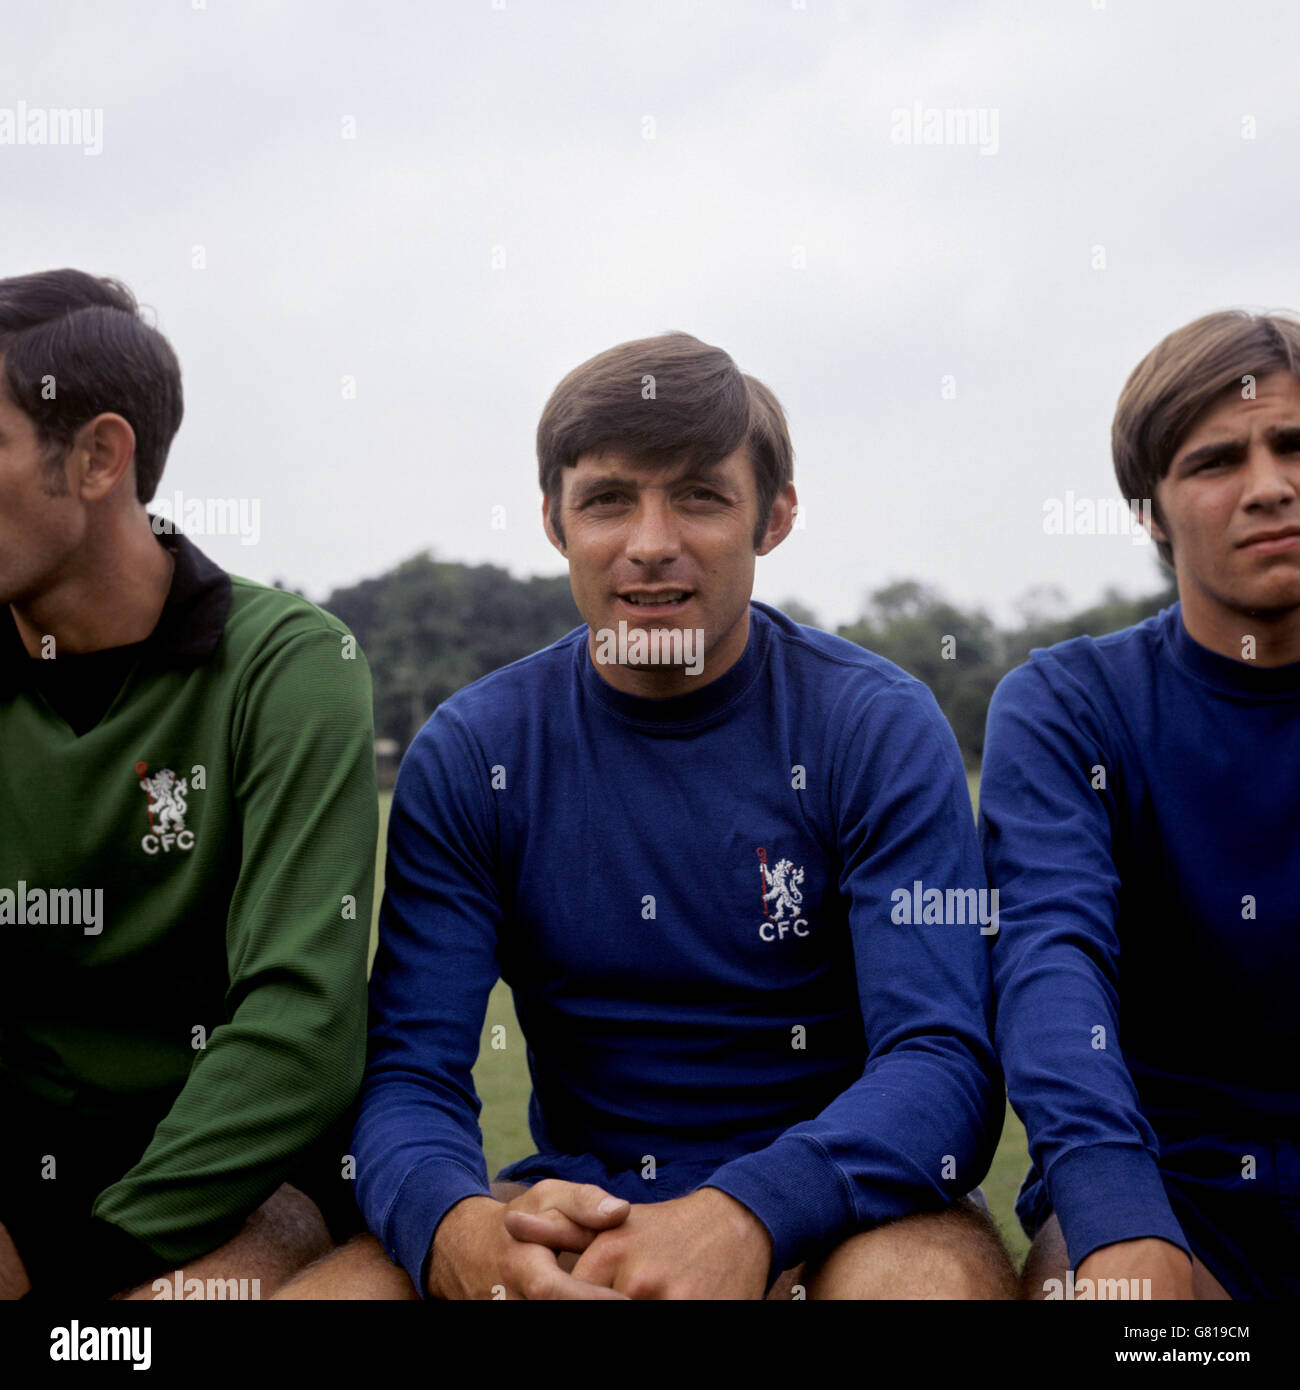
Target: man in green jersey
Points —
{"points": [[187, 832]]}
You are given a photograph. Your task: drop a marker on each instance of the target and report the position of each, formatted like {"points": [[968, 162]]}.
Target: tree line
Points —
{"points": [[429, 627]]}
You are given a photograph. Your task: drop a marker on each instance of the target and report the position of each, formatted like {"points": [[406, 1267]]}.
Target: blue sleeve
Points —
{"points": [[919, 1127], [417, 1142], [1047, 835]]}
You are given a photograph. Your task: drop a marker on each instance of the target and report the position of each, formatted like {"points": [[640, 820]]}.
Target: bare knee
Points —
{"points": [[1046, 1262], [358, 1270], [950, 1254], [14, 1282], [284, 1235], [289, 1223]]}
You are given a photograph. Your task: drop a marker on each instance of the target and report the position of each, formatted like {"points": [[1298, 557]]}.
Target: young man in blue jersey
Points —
{"points": [[1140, 815], [690, 836]]}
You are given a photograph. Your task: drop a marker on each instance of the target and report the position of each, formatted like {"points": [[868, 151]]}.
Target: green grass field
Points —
{"points": [[501, 1079]]}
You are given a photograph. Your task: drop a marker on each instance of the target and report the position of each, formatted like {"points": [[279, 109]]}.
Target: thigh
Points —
{"points": [[359, 1270], [956, 1253]]}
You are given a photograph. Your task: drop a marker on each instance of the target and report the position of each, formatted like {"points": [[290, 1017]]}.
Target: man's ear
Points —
{"points": [[549, 526], [781, 520], [102, 453]]}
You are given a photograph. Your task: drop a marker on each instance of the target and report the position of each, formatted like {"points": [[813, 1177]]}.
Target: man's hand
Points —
{"points": [[1168, 1268], [705, 1245], [478, 1248]]}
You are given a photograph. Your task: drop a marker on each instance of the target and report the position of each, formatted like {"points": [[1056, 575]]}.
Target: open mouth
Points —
{"points": [[655, 603]]}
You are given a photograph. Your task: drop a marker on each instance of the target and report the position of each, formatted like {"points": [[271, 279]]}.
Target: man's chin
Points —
{"points": [[1273, 602]]}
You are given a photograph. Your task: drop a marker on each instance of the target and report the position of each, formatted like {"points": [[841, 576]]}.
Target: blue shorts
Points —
{"points": [[1245, 1231]]}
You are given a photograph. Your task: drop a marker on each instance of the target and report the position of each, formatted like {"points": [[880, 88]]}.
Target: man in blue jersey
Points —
{"points": [[1140, 815], [728, 867]]}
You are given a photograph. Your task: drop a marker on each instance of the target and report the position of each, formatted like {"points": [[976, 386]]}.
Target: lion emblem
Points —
{"points": [[783, 888], [167, 803]]}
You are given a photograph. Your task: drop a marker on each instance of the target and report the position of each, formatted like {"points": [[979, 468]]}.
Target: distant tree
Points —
{"points": [[429, 627], [1114, 612], [961, 655], [954, 651], [1042, 604], [798, 612]]}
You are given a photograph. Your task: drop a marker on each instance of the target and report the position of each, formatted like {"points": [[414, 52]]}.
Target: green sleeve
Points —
{"points": [[287, 1060]]}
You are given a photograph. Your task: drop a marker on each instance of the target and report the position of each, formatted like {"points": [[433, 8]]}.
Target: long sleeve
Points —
{"points": [[417, 1140], [1047, 824], [287, 1059], [919, 1128]]}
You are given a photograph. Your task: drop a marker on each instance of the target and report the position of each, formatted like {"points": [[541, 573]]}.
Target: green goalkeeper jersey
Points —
{"points": [[185, 897]]}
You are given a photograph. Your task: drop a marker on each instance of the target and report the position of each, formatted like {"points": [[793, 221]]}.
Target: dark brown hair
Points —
{"points": [[1179, 379], [669, 400], [84, 339]]}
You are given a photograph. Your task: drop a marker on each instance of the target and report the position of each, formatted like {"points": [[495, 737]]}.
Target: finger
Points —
{"points": [[550, 1228], [598, 1265], [542, 1278], [584, 1203]]}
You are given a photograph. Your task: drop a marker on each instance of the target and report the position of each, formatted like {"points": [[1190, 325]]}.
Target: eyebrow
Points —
{"points": [[1277, 434]]}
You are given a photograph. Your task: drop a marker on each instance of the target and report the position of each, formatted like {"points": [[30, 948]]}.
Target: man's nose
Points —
{"points": [[1270, 479], [654, 538]]}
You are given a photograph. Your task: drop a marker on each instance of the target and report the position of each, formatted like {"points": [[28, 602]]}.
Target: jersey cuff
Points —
{"points": [[796, 1191], [1104, 1193], [426, 1195]]}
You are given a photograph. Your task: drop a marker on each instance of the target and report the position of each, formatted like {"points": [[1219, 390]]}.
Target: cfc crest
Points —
{"points": [[782, 899], [167, 807]]}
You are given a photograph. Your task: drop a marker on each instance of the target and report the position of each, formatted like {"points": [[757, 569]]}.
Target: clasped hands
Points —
{"points": [[703, 1245]]}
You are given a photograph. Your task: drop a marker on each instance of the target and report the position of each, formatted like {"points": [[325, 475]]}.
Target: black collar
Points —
{"points": [[189, 627]]}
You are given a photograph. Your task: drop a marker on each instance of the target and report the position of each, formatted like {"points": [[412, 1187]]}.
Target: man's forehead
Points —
{"points": [[1237, 401], [1228, 418], [667, 467]]}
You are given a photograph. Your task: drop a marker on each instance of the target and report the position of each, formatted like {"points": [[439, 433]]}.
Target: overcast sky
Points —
{"points": [[378, 235]]}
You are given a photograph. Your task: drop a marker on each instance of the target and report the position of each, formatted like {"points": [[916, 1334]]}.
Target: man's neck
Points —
{"points": [[112, 594], [1254, 639]]}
